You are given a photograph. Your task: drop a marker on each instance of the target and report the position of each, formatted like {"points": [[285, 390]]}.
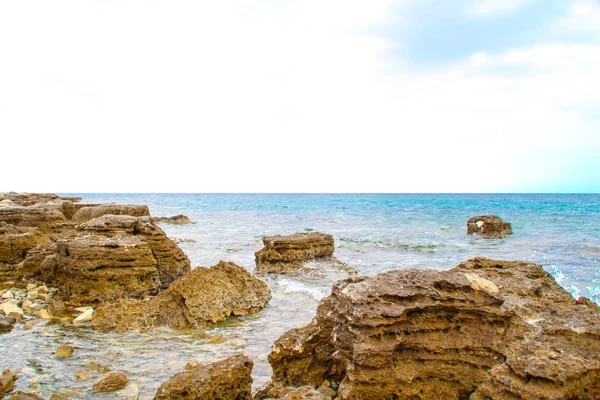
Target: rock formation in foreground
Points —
{"points": [[484, 330], [107, 258], [227, 379], [200, 298], [488, 226], [91, 252], [175, 220], [288, 254]]}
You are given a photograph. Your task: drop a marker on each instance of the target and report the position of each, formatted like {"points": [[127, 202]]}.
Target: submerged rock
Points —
{"points": [[64, 351], [489, 226], [107, 258], [485, 329], [288, 254], [110, 381], [202, 297], [175, 220], [227, 379]]}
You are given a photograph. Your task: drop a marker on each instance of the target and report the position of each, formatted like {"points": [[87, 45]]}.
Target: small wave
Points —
{"points": [[392, 244], [293, 286]]}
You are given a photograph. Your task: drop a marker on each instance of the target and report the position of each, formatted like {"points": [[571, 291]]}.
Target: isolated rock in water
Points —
{"points": [[107, 258], [64, 351], [95, 211], [489, 226], [287, 254], [227, 379], [485, 329], [202, 297], [110, 381], [176, 220]]}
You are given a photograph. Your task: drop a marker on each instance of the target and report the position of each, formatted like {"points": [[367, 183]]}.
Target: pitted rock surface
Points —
{"points": [[288, 254], [198, 299], [485, 329], [488, 226]]}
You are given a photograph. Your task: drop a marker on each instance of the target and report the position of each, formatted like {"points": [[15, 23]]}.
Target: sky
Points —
{"points": [[300, 96]]}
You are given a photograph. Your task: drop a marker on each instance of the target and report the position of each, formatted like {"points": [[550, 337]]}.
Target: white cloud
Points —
{"points": [[582, 15], [485, 8], [214, 96]]}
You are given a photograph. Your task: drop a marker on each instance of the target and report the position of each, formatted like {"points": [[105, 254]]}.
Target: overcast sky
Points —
{"points": [[300, 96]]}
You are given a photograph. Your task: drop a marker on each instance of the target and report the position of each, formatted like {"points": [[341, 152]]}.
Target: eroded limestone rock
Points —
{"points": [[227, 379], [485, 329], [202, 297], [85, 214], [110, 381], [288, 254], [489, 226], [106, 258]]}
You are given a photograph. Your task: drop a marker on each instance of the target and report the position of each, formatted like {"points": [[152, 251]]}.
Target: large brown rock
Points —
{"points": [[107, 258], [227, 379], [202, 297], [288, 254], [95, 211], [15, 241], [483, 330], [110, 381], [41, 215], [489, 226]]}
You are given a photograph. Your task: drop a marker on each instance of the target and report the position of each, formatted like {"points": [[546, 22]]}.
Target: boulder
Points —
{"points": [[488, 226], [107, 258], [110, 381], [175, 220], [484, 330], [227, 379], [64, 351], [85, 214], [202, 297], [288, 254]]}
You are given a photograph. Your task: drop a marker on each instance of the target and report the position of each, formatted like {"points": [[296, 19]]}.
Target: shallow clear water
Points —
{"points": [[373, 233]]}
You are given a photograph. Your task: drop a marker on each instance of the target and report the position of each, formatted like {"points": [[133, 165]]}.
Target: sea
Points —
{"points": [[373, 233]]}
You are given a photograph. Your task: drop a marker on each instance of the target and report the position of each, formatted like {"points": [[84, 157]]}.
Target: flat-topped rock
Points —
{"points": [[227, 379], [84, 214], [198, 299], [107, 258], [486, 329], [287, 254], [489, 226]]}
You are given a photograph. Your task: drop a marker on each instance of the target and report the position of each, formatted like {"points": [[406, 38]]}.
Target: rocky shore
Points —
{"points": [[485, 329]]}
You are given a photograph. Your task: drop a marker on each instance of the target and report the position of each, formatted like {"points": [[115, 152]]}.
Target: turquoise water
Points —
{"points": [[378, 232], [373, 233]]}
